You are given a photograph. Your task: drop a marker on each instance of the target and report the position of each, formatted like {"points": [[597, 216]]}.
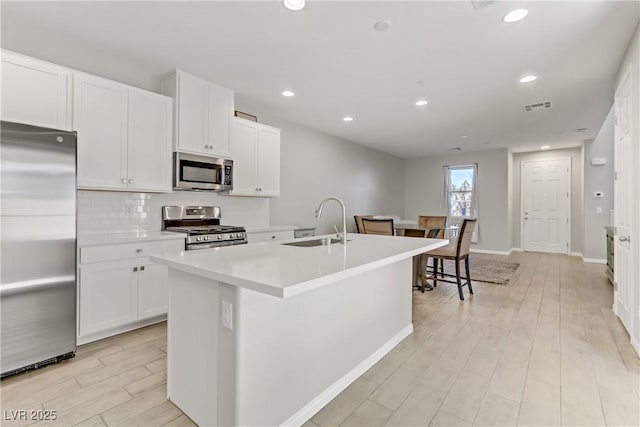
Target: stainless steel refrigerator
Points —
{"points": [[38, 249]]}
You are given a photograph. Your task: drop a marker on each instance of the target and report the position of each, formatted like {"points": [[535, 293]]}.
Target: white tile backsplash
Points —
{"points": [[121, 212]]}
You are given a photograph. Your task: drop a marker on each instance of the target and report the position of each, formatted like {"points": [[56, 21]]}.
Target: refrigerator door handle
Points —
{"points": [[16, 288]]}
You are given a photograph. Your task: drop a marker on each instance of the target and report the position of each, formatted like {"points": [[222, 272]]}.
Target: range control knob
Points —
{"points": [[233, 236], [220, 237], [198, 239]]}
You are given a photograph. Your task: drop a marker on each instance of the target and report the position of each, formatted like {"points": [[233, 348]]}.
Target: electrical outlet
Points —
{"points": [[226, 313], [598, 194]]}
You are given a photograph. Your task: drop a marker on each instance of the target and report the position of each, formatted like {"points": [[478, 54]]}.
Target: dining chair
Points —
{"points": [[358, 219], [431, 221], [378, 226], [457, 251]]}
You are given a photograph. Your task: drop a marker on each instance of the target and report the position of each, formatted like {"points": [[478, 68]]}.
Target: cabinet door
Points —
{"points": [[192, 116], [35, 92], [108, 295], [269, 236], [268, 161], [244, 138], [153, 290], [100, 118], [149, 141], [220, 113]]}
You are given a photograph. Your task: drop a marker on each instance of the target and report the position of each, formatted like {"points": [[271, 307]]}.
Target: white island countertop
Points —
{"points": [[283, 271]]}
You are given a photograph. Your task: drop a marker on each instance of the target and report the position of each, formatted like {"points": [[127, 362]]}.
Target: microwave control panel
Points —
{"points": [[227, 175]]}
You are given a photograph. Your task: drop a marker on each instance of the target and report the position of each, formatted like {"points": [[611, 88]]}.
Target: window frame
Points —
{"points": [[473, 190]]}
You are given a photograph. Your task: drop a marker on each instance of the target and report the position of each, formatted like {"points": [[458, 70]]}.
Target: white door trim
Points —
{"points": [[522, 163]]}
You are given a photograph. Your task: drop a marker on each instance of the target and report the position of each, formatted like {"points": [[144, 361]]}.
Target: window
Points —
{"points": [[460, 185]]}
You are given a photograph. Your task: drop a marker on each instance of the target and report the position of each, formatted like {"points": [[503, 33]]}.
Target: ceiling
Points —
{"points": [[465, 62]]}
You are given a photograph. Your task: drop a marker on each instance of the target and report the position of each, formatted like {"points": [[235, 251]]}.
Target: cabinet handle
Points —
{"points": [[135, 268], [257, 189], [124, 180], [139, 250], [130, 181], [624, 239], [273, 237], [142, 268]]}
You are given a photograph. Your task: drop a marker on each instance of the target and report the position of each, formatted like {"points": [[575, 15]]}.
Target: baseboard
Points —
{"points": [[311, 408], [578, 254], [489, 252], [594, 260], [635, 343], [86, 339], [515, 250]]}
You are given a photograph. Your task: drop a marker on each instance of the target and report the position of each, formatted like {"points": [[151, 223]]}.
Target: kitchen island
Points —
{"points": [[268, 333]]}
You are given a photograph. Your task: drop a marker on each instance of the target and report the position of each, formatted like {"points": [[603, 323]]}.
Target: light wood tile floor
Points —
{"points": [[544, 350]]}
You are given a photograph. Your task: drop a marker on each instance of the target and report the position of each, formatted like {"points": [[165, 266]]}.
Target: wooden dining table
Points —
{"points": [[420, 261]]}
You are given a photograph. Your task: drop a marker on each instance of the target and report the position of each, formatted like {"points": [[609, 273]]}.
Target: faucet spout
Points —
{"points": [[318, 214]]}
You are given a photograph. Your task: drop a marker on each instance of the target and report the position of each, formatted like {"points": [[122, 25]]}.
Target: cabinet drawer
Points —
{"points": [[267, 236], [128, 250]]}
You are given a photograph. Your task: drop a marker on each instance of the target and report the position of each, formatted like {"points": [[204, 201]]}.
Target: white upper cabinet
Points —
{"points": [[244, 147], [35, 92], [203, 114], [149, 141], [124, 136], [100, 118], [255, 150], [268, 161]]}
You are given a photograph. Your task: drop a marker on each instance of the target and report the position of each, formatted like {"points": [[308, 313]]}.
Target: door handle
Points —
{"points": [[624, 238]]}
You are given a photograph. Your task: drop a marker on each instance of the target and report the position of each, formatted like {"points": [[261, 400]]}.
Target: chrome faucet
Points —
{"points": [[343, 236]]}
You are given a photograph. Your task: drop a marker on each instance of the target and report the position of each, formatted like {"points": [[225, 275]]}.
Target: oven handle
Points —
{"points": [[215, 245]]}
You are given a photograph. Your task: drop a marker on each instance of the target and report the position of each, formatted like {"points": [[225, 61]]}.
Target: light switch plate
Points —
{"points": [[226, 313]]}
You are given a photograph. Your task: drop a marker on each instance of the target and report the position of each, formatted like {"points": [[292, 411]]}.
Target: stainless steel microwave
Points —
{"points": [[192, 172]]}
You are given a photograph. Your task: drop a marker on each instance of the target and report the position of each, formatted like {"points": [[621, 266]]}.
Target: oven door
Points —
{"points": [[193, 172]]}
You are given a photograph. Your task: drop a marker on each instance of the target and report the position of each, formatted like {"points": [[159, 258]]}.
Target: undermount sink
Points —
{"points": [[317, 242]]}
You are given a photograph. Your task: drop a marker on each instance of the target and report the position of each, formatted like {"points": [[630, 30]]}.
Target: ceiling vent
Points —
{"points": [[537, 106], [454, 149], [481, 4]]}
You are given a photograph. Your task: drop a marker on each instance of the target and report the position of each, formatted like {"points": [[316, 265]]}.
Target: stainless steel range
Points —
{"points": [[202, 226]]}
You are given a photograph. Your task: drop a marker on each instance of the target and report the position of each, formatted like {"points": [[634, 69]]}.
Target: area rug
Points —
{"points": [[483, 270]]}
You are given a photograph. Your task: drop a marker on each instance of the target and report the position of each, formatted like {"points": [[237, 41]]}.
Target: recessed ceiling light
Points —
{"points": [[581, 130], [347, 118], [515, 16], [544, 147], [382, 25], [528, 79], [465, 136], [421, 102], [287, 93], [294, 5]]}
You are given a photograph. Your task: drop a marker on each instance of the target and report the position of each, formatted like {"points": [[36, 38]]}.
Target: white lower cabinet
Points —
{"points": [[153, 291], [268, 236], [108, 296], [121, 294]]}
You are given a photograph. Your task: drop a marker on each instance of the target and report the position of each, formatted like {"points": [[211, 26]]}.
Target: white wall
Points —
{"points": [[577, 229], [424, 187], [598, 178], [315, 165]]}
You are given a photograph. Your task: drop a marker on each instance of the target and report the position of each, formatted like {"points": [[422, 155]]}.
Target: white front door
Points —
{"points": [[623, 202], [546, 205]]}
